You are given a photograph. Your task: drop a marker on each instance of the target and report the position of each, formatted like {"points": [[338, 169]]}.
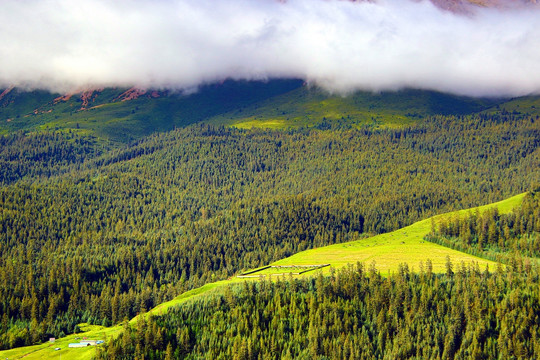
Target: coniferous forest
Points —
{"points": [[90, 233], [355, 314], [270, 179], [465, 313], [495, 236]]}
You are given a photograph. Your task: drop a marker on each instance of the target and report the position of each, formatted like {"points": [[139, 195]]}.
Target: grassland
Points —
{"points": [[95, 332], [387, 251], [105, 115], [305, 107], [277, 104], [406, 245], [47, 350], [524, 105], [281, 270]]}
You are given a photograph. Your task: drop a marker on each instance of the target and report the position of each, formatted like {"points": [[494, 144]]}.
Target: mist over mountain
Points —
{"points": [[475, 48]]}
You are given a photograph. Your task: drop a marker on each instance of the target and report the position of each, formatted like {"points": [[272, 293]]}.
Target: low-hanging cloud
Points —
{"points": [[65, 45]]}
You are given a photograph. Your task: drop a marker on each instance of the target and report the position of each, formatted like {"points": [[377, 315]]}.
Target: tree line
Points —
{"points": [[493, 235]]}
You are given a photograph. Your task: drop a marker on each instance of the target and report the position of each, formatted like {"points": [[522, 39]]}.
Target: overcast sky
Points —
{"points": [[67, 45]]}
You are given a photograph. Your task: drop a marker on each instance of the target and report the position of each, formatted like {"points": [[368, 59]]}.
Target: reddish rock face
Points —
{"points": [[89, 96], [130, 94], [5, 92], [469, 5]]}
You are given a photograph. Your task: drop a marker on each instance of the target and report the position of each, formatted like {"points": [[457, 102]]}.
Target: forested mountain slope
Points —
{"points": [[100, 240], [116, 116], [187, 342], [314, 107], [354, 314], [494, 235], [387, 252], [466, 312]]}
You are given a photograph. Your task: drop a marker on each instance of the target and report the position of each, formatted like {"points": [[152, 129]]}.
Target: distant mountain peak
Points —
{"points": [[466, 6], [461, 6]]}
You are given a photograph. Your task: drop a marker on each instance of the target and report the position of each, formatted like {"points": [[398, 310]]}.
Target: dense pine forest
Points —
{"points": [[270, 179], [492, 235], [92, 234], [42, 154], [354, 314]]}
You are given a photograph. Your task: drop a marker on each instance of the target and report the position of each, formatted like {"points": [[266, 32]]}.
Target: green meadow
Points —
{"points": [[47, 350], [107, 116], [306, 107], [277, 104], [406, 245]]}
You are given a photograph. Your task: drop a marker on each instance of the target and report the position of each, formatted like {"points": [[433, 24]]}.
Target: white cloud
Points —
{"points": [[341, 45]]}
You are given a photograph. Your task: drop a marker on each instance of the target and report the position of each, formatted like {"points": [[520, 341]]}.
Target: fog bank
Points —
{"points": [[66, 45]]}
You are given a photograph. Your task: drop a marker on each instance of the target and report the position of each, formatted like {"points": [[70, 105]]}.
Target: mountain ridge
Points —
{"points": [[125, 114]]}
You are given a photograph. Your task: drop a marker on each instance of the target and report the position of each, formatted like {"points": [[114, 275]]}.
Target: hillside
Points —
{"points": [[270, 180], [116, 115], [312, 107], [97, 236], [123, 115], [95, 230], [494, 235], [387, 252], [406, 245]]}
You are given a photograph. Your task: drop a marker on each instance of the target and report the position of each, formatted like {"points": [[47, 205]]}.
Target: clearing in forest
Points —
{"points": [[406, 245]]}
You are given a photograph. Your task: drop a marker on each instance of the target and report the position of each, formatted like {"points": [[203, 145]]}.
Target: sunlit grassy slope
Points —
{"points": [[524, 105], [405, 245], [273, 104], [313, 107], [94, 332], [47, 350], [107, 117]]}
